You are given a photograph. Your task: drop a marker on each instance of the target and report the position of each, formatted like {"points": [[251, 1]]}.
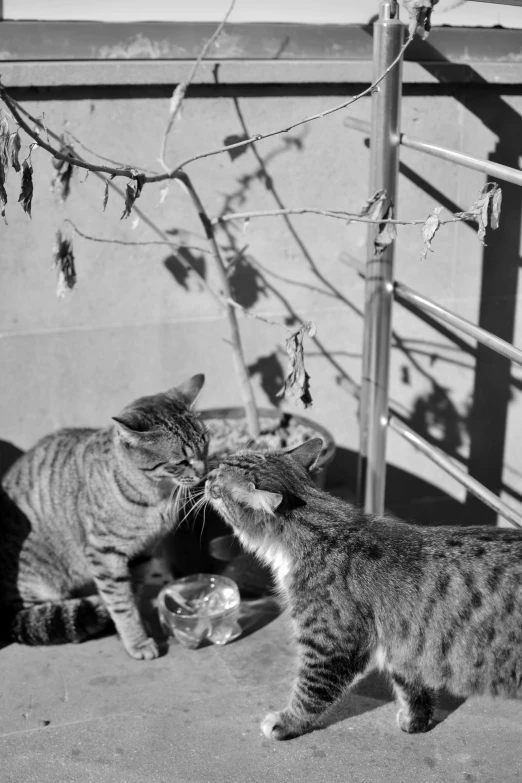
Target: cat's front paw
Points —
{"points": [[279, 726], [143, 651], [413, 724]]}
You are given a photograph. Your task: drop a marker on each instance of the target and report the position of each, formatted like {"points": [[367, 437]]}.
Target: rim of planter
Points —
{"points": [[237, 412]]}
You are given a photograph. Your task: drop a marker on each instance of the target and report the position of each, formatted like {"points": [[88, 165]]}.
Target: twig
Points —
{"points": [[256, 316], [128, 242], [337, 214], [188, 81], [251, 411], [261, 136], [73, 160], [102, 157]]}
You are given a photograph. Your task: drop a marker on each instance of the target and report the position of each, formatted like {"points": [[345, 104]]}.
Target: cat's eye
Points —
{"points": [[154, 467]]}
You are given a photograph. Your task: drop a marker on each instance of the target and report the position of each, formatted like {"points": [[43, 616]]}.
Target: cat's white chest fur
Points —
{"points": [[278, 560], [273, 555]]}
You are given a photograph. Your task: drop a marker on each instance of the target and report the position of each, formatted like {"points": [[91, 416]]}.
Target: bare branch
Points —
{"points": [[103, 157], [140, 242], [74, 161], [337, 214], [251, 411], [182, 88], [255, 315], [261, 136]]}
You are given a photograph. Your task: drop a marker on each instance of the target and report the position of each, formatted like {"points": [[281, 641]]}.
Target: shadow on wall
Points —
{"points": [[487, 419], [476, 427]]}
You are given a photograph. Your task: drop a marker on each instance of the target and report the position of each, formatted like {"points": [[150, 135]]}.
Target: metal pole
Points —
{"points": [[387, 40], [425, 305], [471, 484], [507, 173]]}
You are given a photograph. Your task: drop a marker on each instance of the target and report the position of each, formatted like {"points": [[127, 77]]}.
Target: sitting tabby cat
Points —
{"points": [[79, 505], [433, 607]]}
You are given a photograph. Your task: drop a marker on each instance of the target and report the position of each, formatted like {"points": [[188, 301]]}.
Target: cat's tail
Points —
{"points": [[58, 622]]}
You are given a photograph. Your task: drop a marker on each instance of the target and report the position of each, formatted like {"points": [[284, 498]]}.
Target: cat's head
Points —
{"points": [[163, 437], [253, 488]]}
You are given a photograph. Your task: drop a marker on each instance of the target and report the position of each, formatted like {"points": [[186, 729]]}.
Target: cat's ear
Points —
{"points": [[307, 453], [258, 499], [125, 430], [129, 431], [189, 390]]}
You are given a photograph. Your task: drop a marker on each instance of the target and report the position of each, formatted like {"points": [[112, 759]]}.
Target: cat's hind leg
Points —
{"points": [[416, 705], [59, 622]]}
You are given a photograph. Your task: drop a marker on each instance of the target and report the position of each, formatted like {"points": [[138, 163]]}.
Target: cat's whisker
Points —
{"points": [[204, 508], [194, 507]]}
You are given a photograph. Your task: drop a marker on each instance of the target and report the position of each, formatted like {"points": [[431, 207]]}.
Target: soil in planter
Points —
{"points": [[204, 542], [229, 435]]}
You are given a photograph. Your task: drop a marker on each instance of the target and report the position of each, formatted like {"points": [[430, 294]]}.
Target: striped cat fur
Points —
{"points": [[77, 507], [433, 607]]}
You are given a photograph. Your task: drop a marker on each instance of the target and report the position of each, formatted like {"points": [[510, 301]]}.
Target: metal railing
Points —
{"points": [[381, 288]]}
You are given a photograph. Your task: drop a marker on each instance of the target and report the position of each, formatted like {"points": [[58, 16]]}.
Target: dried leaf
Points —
{"points": [[297, 380], [496, 204], [106, 191], [63, 258], [132, 192], [61, 182], [4, 146], [163, 193], [374, 206], [386, 233], [15, 145], [177, 100], [486, 208], [3, 201], [429, 229], [420, 16], [26, 193], [235, 139]]}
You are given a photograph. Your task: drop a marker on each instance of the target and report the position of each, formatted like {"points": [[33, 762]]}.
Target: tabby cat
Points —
{"points": [[76, 508], [434, 608]]}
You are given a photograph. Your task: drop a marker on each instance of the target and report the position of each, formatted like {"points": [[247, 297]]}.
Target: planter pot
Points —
{"points": [[204, 543], [229, 433]]}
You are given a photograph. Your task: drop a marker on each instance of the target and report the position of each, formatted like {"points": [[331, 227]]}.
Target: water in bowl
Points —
{"points": [[199, 607]]}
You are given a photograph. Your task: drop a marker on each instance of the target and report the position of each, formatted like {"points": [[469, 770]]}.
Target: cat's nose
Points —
{"points": [[199, 467], [211, 489]]}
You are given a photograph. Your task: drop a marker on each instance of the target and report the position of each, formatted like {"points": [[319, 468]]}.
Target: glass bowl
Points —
{"points": [[199, 607]]}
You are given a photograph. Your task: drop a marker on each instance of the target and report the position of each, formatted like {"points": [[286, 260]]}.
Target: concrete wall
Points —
{"points": [[132, 328]]}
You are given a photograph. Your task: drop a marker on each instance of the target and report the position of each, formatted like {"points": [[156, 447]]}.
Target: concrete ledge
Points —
{"points": [[98, 73]]}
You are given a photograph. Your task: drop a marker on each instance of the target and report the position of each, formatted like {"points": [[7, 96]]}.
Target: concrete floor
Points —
{"points": [[81, 713]]}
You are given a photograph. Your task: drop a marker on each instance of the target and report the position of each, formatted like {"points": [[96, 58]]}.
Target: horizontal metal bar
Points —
{"points": [[443, 461], [446, 316], [501, 2], [506, 173]]}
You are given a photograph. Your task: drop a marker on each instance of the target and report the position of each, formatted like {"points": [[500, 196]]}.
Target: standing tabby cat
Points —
{"points": [[79, 505], [433, 607]]}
